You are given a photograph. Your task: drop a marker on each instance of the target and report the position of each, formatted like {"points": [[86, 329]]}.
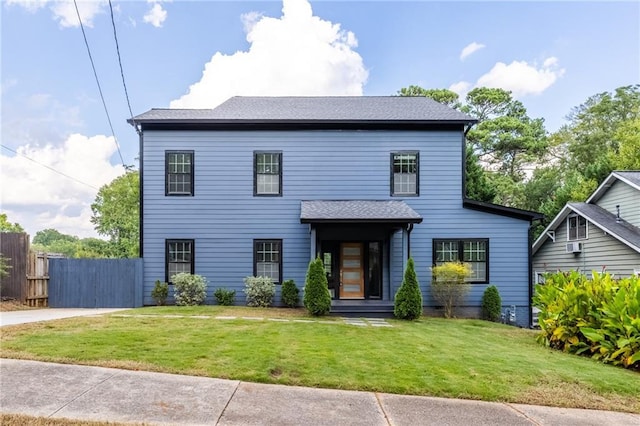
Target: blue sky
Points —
{"points": [[552, 55]]}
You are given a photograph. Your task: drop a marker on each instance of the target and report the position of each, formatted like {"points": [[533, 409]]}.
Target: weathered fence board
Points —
{"points": [[95, 283], [15, 246]]}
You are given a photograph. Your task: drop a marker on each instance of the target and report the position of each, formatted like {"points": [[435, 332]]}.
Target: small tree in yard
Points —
{"points": [[290, 294], [491, 304], [448, 285], [160, 293], [317, 298], [259, 291], [189, 290], [408, 299]]}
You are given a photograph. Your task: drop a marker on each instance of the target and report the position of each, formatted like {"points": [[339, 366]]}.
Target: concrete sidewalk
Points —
{"points": [[94, 393], [36, 315]]}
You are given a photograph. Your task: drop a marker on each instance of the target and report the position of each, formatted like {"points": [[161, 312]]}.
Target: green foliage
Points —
{"points": [[408, 299], [49, 236], [448, 285], [189, 289], [317, 298], [160, 293], [224, 297], [6, 226], [444, 96], [477, 185], [491, 304], [260, 291], [598, 316], [116, 214], [290, 294]]}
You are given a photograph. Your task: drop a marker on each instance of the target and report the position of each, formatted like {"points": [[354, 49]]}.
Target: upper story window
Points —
{"points": [[179, 173], [576, 228], [267, 259], [472, 251], [405, 173], [179, 257], [267, 168]]}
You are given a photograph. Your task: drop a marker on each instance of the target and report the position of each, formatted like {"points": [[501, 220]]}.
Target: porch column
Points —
{"points": [[405, 248], [313, 242]]}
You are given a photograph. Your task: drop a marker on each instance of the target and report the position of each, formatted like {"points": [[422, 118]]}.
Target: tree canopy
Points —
{"points": [[6, 226]]}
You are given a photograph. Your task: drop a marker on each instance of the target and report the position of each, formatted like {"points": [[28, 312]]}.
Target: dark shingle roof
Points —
{"points": [[605, 220], [357, 211], [357, 109], [631, 176]]}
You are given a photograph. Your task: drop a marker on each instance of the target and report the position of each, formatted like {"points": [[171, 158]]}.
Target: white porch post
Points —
{"points": [[405, 248], [312, 232]]}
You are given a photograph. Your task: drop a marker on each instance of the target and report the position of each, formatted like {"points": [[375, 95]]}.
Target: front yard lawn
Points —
{"points": [[448, 358]]}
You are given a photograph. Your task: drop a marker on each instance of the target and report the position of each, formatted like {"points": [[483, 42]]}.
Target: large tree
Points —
{"points": [[6, 226], [444, 96], [116, 214]]}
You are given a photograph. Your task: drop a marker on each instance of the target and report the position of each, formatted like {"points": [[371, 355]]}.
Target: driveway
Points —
{"points": [[36, 315]]}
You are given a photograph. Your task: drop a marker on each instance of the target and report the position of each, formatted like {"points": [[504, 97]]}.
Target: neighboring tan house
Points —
{"points": [[601, 234], [262, 185]]}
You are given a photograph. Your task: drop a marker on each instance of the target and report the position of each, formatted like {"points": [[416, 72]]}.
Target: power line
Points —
{"points": [[95, 73], [126, 93], [50, 168]]}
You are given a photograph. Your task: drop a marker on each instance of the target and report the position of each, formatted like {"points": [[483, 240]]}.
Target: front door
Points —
{"points": [[351, 271]]}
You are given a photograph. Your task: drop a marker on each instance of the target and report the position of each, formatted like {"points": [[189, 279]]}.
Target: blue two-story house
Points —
{"points": [[261, 185]]}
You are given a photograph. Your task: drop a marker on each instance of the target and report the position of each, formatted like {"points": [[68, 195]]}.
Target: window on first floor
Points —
{"points": [[267, 259], [179, 173], [179, 257], [404, 173], [267, 173], [576, 228], [472, 251]]}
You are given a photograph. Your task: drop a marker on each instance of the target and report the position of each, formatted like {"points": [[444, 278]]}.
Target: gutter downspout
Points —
{"points": [[141, 180], [409, 229], [464, 160], [530, 267]]}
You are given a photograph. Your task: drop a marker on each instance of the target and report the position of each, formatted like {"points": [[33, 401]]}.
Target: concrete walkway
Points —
{"points": [[105, 394], [36, 315]]}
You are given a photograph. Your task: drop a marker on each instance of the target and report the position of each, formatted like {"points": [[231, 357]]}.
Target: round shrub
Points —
{"points": [[189, 289], [491, 304], [290, 294], [224, 297], [408, 299], [259, 291], [317, 298]]}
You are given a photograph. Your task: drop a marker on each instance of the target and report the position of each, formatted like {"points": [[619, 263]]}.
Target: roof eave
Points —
{"points": [[501, 210], [365, 221]]}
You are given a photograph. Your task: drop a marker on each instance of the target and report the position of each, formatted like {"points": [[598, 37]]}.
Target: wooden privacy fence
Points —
{"points": [[37, 293], [95, 283]]}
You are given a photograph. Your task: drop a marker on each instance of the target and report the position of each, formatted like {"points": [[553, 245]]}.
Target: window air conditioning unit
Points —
{"points": [[574, 247]]}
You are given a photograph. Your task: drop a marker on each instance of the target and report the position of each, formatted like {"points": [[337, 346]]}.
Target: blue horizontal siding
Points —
{"points": [[224, 217]]}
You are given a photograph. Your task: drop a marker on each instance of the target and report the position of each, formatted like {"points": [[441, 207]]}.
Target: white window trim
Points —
{"points": [[586, 225]]}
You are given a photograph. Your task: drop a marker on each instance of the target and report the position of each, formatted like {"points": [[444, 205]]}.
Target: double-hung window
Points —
{"points": [[179, 257], [267, 259], [472, 251], [405, 167], [179, 173], [267, 168], [576, 228]]}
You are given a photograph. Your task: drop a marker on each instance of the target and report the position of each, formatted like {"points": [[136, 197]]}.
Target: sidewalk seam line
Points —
{"points": [[84, 393], [522, 413], [228, 402], [386, 418]]}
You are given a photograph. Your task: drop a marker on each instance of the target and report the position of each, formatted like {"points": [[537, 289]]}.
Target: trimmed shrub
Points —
{"points": [[189, 289], [160, 293], [290, 294], [260, 291], [224, 297], [317, 298], [408, 298], [598, 316], [448, 285], [491, 304]]}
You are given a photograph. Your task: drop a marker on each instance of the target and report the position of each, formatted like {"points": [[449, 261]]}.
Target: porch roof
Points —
{"points": [[357, 211]]}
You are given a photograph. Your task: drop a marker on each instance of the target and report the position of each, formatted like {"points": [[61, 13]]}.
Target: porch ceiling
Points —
{"points": [[357, 211]]}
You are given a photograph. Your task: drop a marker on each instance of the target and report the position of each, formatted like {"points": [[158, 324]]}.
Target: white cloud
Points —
{"points": [[156, 15], [522, 78], [39, 198], [64, 11], [469, 49], [296, 54], [461, 88]]}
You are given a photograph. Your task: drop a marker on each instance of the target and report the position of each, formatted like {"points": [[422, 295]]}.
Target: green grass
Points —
{"points": [[448, 358]]}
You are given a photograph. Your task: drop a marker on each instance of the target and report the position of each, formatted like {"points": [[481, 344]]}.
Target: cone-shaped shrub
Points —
{"points": [[491, 304], [290, 294], [316, 299], [408, 300]]}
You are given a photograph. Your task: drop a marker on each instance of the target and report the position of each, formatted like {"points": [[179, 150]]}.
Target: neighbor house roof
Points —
{"points": [[311, 110], [631, 178], [603, 219], [357, 211]]}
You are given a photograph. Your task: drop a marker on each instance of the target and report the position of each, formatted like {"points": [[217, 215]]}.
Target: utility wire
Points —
{"points": [[50, 168], [126, 93], [95, 73]]}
